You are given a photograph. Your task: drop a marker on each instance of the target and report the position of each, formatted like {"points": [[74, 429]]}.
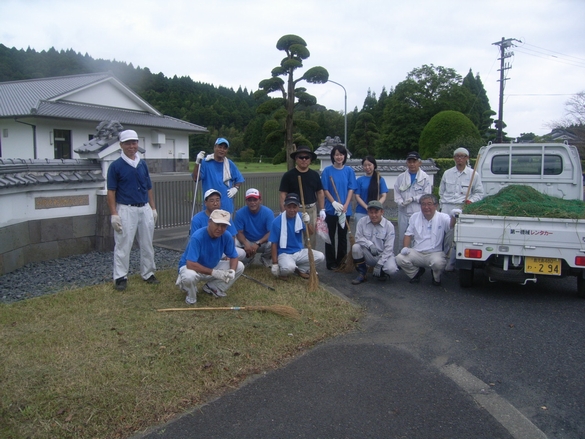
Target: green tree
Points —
{"points": [[444, 128], [365, 135], [296, 51], [480, 112]]}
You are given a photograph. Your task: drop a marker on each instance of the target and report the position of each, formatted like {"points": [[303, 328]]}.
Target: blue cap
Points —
{"points": [[221, 140]]}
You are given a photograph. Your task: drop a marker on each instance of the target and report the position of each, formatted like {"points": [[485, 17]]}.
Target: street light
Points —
{"points": [[344, 112]]}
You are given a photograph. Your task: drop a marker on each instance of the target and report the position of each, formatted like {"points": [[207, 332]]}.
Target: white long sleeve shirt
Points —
{"points": [[404, 188], [454, 185]]}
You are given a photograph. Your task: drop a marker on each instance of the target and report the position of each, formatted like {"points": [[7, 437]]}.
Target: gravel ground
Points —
{"points": [[40, 278]]}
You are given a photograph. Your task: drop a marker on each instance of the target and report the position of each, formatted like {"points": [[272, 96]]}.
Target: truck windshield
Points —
{"points": [[527, 164]]}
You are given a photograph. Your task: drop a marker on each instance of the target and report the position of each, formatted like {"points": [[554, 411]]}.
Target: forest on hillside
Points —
{"points": [[387, 126]]}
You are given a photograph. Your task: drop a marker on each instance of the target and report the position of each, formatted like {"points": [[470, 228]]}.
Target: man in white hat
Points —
{"points": [[253, 222], [218, 172], [454, 192], [203, 259], [131, 203]]}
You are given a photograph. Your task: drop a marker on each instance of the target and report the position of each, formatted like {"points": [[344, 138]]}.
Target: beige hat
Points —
{"points": [[219, 216]]}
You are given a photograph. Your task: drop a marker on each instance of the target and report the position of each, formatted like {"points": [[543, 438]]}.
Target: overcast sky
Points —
{"points": [[364, 44]]}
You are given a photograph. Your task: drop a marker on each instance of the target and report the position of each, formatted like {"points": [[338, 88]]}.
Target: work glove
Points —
{"points": [[231, 275], [232, 192], [338, 207], [377, 270], [456, 212], [374, 250], [275, 269], [209, 157], [200, 157], [407, 201], [405, 251], [117, 223], [342, 219], [154, 215], [221, 275], [322, 214], [306, 218]]}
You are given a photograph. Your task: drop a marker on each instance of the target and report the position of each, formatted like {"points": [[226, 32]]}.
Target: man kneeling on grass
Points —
{"points": [[286, 236], [202, 259], [374, 245]]}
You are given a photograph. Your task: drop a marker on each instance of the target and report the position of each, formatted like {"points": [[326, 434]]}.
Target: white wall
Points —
{"points": [[104, 94]]}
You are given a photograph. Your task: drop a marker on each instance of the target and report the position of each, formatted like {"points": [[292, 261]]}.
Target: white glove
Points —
{"points": [[377, 270], [407, 201], [200, 157], [405, 251], [275, 269], [322, 214], [154, 215], [232, 192], [209, 157], [456, 212], [373, 250], [220, 275], [117, 223], [342, 220], [231, 274], [338, 207], [306, 218]]}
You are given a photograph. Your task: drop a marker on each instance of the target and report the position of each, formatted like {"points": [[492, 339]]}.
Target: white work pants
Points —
{"points": [[410, 263], [288, 263], [135, 221], [188, 279], [358, 252]]}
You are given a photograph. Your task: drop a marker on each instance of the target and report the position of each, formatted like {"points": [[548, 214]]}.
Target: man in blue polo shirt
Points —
{"points": [[131, 203], [218, 172], [286, 236], [202, 259], [253, 223]]}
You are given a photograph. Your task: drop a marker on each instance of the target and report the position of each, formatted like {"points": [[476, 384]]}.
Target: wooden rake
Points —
{"points": [[346, 265], [281, 310], [313, 279]]}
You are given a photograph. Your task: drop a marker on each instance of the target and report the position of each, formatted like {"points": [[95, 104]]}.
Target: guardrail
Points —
{"points": [[174, 196]]}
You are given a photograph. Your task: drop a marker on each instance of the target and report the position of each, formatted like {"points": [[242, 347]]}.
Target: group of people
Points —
{"points": [[221, 244]]}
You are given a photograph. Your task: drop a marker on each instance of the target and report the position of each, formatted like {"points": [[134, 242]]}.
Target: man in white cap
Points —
{"points": [[203, 259], [253, 223], [131, 203], [218, 172], [455, 192], [212, 200], [286, 238]]}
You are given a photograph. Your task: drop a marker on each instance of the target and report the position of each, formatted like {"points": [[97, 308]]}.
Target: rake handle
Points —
{"points": [[221, 308], [339, 198]]}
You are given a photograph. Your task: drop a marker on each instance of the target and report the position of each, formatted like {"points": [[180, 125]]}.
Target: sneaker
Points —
{"points": [[301, 274], [190, 301], [267, 262], [382, 277], [436, 283], [213, 291], [121, 283], [450, 267], [152, 280], [359, 279], [417, 276]]}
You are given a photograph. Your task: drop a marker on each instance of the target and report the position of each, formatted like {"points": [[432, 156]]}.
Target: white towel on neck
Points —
{"points": [[227, 173], [284, 229]]}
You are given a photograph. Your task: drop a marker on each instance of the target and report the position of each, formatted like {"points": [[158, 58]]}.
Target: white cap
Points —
{"points": [[128, 135], [210, 192], [252, 193], [219, 216], [462, 151]]}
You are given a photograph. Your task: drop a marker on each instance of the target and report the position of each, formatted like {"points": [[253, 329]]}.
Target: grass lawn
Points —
{"points": [[97, 363]]}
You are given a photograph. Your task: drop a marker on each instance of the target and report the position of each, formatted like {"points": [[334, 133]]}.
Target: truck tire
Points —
{"points": [[580, 286], [465, 277]]}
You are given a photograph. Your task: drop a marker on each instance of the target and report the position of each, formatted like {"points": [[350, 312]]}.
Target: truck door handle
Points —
{"points": [[530, 247]]}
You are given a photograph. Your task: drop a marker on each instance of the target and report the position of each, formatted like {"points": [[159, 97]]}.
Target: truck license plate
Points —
{"points": [[550, 266]]}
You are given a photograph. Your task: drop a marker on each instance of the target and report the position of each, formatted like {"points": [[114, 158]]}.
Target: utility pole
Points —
{"points": [[504, 44]]}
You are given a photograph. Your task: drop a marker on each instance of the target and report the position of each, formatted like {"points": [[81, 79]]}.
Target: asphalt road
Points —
{"points": [[493, 361]]}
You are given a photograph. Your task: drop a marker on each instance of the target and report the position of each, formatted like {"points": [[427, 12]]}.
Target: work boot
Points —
{"points": [[362, 269]]}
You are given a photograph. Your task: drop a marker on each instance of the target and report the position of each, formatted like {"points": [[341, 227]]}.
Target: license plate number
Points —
{"points": [[549, 266]]}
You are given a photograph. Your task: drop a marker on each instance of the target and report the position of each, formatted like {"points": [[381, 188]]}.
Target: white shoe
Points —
{"points": [[190, 301], [450, 267], [215, 292]]}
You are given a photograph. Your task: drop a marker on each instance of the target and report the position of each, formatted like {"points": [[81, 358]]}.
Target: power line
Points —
{"points": [[552, 51]]}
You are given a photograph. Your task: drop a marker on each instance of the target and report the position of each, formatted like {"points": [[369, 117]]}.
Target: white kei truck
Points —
{"points": [[523, 249]]}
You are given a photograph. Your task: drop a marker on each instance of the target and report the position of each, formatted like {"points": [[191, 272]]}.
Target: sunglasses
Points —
{"points": [[304, 157]]}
